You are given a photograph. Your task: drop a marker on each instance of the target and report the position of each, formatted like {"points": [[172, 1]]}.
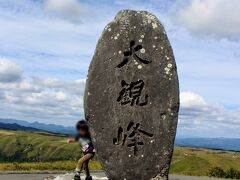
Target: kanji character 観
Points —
{"points": [[132, 93]]}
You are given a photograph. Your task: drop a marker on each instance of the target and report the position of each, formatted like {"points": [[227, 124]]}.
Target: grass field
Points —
{"points": [[198, 162], [26, 151], [19, 146], [55, 166]]}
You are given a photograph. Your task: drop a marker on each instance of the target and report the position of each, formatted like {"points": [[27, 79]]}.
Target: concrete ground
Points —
{"points": [[96, 176]]}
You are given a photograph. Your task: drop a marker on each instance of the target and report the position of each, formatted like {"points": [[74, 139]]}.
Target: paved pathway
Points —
{"points": [[96, 176]]}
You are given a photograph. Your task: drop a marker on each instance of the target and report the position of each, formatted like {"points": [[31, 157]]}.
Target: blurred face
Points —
{"points": [[82, 132]]}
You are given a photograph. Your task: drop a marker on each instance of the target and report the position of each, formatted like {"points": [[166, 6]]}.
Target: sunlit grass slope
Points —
{"points": [[19, 146], [191, 161]]}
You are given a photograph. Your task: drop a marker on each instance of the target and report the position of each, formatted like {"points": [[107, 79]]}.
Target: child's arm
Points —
{"points": [[71, 140]]}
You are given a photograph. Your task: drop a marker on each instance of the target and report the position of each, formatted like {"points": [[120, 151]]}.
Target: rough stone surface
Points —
{"points": [[132, 98]]}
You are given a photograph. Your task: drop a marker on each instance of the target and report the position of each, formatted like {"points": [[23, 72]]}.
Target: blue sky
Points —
{"points": [[46, 47]]}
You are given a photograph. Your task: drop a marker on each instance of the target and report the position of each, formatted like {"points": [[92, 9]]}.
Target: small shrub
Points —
{"points": [[220, 173], [216, 172], [233, 174]]}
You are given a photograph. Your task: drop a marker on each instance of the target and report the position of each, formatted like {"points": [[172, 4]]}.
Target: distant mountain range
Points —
{"points": [[209, 143], [27, 126], [16, 127]]}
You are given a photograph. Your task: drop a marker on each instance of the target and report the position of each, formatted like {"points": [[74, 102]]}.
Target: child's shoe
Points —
{"points": [[88, 178], [77, 176]]}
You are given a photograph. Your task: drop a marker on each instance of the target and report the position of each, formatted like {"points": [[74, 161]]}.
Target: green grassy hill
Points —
{"points": [[198, 162], [48, 152], [20, 146]]}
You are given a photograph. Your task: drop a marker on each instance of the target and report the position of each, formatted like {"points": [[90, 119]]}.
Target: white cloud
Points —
{"points": [[30, 35], [219, 18], [9, 71], [69, 9], [48, 100], [52, 100], [30, 99], [200, 118], [189, 99], [45, 99]]}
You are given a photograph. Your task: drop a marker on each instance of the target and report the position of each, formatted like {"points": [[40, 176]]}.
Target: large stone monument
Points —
{"points": [[132, 98]]}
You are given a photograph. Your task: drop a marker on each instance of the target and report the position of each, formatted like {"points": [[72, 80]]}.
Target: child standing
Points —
{"points": [[84, 138]]}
